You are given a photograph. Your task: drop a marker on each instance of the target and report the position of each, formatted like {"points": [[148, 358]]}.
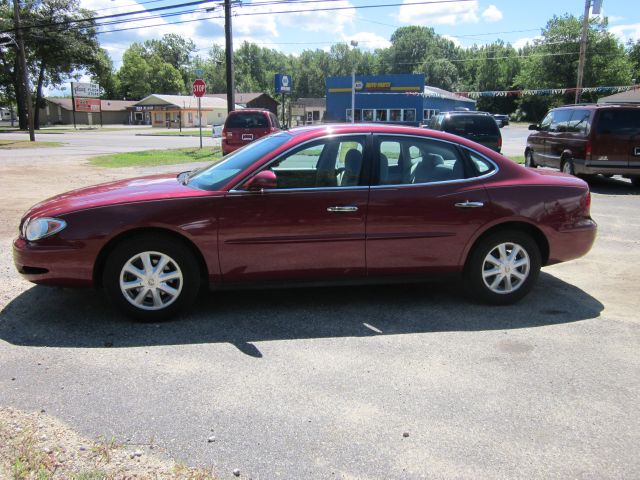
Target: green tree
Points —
{"points": [[634, 57], [144, 72], [57, 46], [552, 62], [177, 51]]}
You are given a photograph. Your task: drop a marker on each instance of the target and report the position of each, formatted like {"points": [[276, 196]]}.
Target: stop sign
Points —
{"points": [[199, 87]]}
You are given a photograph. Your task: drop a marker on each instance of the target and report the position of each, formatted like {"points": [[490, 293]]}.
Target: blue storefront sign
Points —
{"points": [[283, 83], [397, 98]]}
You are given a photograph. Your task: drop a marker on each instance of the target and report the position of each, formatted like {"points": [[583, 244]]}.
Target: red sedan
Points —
{"points": [[337, 203]]}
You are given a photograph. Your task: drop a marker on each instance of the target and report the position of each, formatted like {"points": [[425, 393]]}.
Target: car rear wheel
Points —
{"points": [[528, 159], [150, 278], [503, 267], [635, 181]]}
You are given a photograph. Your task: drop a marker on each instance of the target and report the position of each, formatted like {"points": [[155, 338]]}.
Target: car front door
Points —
{"points": [[311, 227], [422, 222]]}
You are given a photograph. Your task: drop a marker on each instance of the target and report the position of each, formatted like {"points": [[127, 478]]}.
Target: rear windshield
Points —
{"points": [[619, 121], [474, 124], [247, 120]]}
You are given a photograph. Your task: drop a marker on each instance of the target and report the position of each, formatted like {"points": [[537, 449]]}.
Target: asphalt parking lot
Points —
{"points": [[377, 382]]}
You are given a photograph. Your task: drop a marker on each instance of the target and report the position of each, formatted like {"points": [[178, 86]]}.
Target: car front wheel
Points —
{"points": [[503, 267], [150, 278]]}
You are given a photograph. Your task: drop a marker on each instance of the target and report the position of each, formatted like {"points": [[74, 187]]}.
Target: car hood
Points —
{"points": [[141, 189]]}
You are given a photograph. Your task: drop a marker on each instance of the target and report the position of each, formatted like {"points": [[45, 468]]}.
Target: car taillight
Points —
{"points": [[587, 150], [585, 203]]}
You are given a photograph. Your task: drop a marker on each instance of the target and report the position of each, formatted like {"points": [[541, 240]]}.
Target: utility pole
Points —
{"points": [[583, 48], [228, 35], [24, 73]]}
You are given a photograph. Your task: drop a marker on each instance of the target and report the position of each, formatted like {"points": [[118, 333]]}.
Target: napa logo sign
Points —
{"points": [[283, 84]]}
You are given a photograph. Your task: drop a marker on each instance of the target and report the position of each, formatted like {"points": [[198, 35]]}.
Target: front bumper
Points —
{"points": [[68, 265]]}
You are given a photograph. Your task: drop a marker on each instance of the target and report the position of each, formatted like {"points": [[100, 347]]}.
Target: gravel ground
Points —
{"points": [[354, 382]]}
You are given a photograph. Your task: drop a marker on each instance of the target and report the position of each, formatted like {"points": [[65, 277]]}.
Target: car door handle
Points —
{"points": [[342, 209], [469, 204]]}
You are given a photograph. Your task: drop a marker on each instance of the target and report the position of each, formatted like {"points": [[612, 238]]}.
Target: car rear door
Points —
{"points": [[312, 227], [611, 147], [422, 222]]}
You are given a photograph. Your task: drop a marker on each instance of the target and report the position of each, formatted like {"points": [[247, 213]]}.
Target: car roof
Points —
{"points": [[597, 106], [250, 110], [312, 131]]}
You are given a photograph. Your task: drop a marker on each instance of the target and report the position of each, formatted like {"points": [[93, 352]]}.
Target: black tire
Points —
{"points": [[155, 303], [528, 159], [475, 276], [635, 181], [567, 167]]}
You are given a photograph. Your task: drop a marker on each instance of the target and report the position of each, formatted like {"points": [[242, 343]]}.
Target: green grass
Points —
{"points": [[150, 158], [517, 158], [15, 144], [186, 132]]}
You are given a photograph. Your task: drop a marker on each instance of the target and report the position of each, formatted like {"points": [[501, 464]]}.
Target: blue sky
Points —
{"points": [[464, 22]]}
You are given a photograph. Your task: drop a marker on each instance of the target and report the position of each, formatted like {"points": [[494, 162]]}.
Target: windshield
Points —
{"points": [[216, 175]]}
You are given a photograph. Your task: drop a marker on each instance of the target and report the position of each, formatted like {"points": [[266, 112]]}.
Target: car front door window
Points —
{"points": [[327, 163]]}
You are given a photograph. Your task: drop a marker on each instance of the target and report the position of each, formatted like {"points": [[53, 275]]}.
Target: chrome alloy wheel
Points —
{"points": [[151, 280], [505, 268]]}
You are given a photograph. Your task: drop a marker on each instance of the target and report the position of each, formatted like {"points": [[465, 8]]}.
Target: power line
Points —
{"points": [[260, 4]]}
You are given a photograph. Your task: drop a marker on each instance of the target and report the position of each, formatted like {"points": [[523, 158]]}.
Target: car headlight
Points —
{"points": [[37, 228]]}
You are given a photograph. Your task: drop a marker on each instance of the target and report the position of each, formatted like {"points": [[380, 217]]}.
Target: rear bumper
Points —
{"points": [[587, 167], [66, 266], [230, 147], [572, 242]]}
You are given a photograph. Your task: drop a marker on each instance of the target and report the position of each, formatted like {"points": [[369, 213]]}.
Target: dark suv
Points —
{"points": [[477, 126], [245, 126], [588, 140]]}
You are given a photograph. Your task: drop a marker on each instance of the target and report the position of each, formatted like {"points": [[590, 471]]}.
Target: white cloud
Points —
{"points": [[522, 42], [309, 18], [626, 32], [438, 13], [368, 40], [456, 41], [492, 14]]}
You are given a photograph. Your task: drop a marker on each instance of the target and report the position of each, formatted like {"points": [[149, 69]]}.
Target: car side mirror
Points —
{"points": [[534, 127], [264, 180]]}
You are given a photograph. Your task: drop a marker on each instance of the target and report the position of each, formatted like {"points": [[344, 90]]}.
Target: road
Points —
{"points": [[325, 382]]}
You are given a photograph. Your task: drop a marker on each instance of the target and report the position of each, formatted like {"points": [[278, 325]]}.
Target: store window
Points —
{"points": [[381, 115], [409, 114], [395, 115], [428, 113], [367, 115]]}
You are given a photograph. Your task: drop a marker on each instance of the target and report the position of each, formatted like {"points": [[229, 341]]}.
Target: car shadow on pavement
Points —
{"points": [[612, 186], [50, 317]]}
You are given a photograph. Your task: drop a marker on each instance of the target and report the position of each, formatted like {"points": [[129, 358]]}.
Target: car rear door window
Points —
{"points": [[420, 161], [579, 121], [619, 122]]}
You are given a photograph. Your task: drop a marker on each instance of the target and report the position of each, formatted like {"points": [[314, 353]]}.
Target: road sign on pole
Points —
{"points": [[199, 87]]}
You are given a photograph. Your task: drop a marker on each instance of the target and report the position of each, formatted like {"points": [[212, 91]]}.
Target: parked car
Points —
{"points": [[501, 120], [588, 140], [480, 127], [245, 126], [336, 203]]}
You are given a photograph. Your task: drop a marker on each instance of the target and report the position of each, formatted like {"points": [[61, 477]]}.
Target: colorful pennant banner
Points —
{"points": [[538, 92]]}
